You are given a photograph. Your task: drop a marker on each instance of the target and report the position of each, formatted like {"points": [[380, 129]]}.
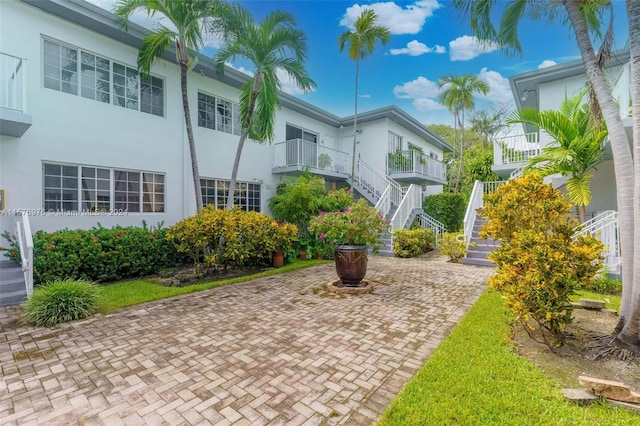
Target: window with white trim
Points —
{"points": [[100, 79], [395, 142], [218, 114], [69, 187], [216, 191]]}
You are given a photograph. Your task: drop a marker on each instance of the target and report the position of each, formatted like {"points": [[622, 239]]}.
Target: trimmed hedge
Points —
{"points": [[412, 242], [99, 254], [448, 208]]}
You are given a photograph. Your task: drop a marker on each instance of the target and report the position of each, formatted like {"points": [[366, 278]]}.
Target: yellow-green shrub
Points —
{"points": [[412, 242], [539, 265], [452, 246], [250, 238]]}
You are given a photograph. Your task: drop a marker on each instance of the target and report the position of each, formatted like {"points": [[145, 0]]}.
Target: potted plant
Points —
{"points": [[282, 237], [351, 231], [324, 160]]}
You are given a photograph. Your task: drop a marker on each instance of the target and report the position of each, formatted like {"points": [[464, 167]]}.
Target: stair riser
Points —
{"points": [[11, 286], [477, 254], [13, 299], [478, 262], [11, 274]]}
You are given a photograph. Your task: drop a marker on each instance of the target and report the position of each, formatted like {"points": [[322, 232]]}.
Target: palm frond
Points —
{"points": [[154, 44]]}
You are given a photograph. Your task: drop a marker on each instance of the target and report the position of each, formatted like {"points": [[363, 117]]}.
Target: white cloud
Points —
{"points": [[547, 63], [407, 20], [468, 47], [365, 96], [499, 88], [423, 91], [415, 48]]}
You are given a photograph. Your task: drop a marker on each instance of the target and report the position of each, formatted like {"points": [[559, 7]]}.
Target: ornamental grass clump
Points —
{"points": [[358, 224], [61, 301], [539, 264]]}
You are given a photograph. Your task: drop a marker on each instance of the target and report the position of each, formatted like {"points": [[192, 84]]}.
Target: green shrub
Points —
{"points": [[605, 285], [448, 207], [412, 242], [250, 238], [99, 254], [452, 246], [61, 301], [539, 265]]}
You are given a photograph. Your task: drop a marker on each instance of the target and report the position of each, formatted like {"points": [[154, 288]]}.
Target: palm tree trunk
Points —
{"points": [[243, 137], [192, 145], [355, 129], [630, 332], [461, 166], [623, 162]]}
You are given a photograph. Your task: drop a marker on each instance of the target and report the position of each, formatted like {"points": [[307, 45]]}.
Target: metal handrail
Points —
{"points": [[12, 82], [429, 222], [604, 227], [412, 200], [412, 161], [302, 153], [475, 202], [25, 242]]}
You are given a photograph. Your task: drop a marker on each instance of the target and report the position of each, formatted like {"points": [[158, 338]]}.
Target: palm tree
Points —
{"points": [[272, 45], [190, 19], [577, 148], [361, 41], [457, 97], [585, 18]]}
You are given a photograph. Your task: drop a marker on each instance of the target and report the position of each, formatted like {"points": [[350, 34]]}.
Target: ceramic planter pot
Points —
{"points": [[351, 263]]}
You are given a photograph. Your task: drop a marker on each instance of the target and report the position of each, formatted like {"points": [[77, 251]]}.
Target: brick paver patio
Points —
{"points": [[272, 351]]}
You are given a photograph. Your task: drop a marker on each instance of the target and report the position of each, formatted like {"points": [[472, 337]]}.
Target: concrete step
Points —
{"points": [[478, 262], [12, 286], [13, 298], [476, 254]]}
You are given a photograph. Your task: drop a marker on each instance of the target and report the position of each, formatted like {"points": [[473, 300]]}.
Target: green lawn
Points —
{"points": [[476, 378], [134, 292]]}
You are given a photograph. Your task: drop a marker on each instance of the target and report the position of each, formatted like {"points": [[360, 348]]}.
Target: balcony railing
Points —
{"points": [[405, 162], [516, 149], [298, 153], [12, 83]]}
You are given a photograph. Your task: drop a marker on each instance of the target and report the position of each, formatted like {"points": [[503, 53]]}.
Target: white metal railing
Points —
{"points": [[12, 82], [517, 172], [412, 200], [25, 242], [604, 227], [475, 202], [516, 149], [429, 222], [302, 153], [376, 184], [412, 161], [384, 203], [491, 186]]}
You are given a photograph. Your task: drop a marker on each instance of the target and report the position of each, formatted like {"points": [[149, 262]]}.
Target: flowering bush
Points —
{"points": [[358, 224]]}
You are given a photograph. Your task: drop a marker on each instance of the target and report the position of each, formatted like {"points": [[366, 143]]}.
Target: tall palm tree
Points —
{"points": [[585, 17], [360, 42], [191, 19], [577, 148], [457, 97], [271, 45]]}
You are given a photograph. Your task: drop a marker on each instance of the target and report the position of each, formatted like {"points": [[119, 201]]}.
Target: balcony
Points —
{"points": [[297, 155], [413, 167], [14, 121], [512, 152]]}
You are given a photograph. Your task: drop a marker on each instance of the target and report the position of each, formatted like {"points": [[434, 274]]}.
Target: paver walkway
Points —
{"points": [[272, 351]]}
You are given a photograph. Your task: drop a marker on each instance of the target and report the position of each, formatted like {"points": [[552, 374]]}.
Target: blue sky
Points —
{"points": [[429, 39]]}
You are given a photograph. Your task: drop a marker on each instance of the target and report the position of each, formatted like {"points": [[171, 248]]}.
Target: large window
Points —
{"points": [[218, 114], [100, 79], [99, 189], [395, 142], [216, 191]]}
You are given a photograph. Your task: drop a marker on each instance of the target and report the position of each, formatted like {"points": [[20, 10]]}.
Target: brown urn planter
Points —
{"points": [[351, 264], [278, 259]]}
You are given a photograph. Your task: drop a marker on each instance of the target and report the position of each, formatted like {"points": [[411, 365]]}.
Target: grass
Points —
{"points": [[476, 378], [134, 292]]}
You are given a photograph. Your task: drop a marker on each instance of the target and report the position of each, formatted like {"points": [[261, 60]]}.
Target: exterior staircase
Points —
{"points": [[479, 249], [400, 206], [13, 290]]}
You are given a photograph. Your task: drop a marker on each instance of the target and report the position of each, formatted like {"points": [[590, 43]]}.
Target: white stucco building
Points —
{"points": [[85, 141]]}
